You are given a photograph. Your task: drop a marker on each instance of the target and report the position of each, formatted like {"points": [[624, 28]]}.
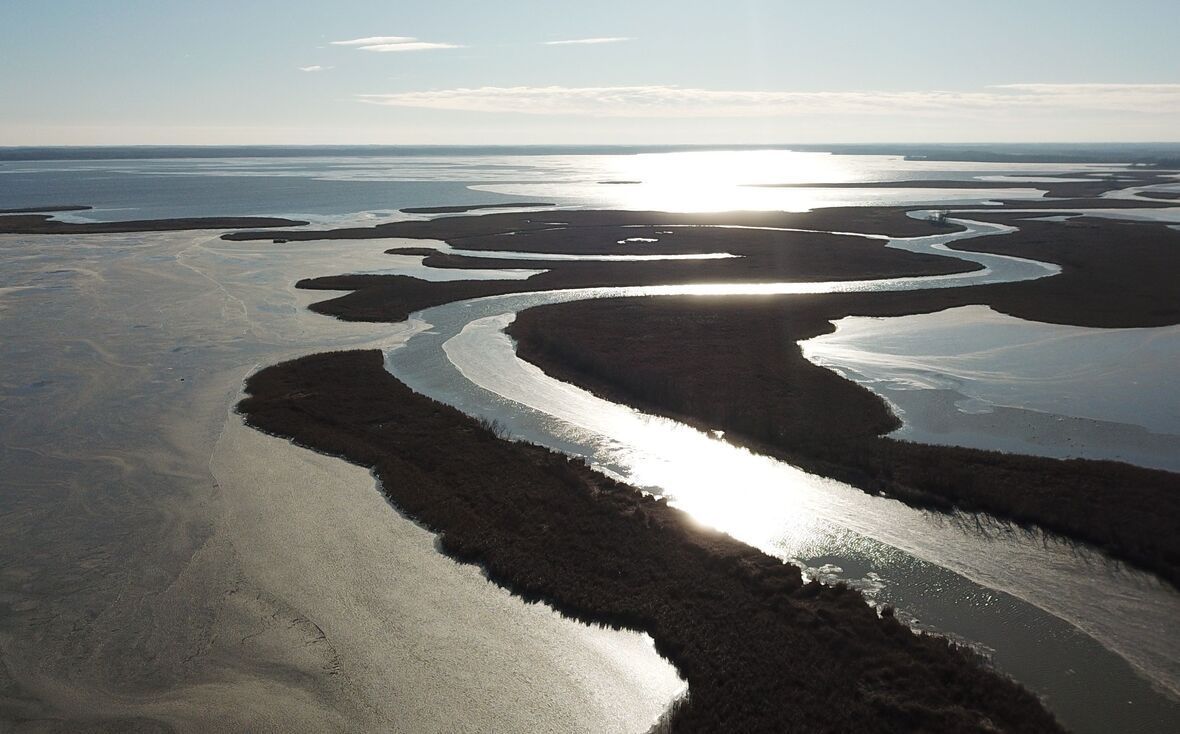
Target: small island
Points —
{"points": [[46, 224], [761, 650]]}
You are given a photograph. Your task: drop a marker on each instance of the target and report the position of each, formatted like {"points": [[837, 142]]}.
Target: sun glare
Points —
{"points": [[719, 180]]}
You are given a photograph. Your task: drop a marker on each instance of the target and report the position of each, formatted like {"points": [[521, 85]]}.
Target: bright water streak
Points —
{"points": [[1023, 597]]}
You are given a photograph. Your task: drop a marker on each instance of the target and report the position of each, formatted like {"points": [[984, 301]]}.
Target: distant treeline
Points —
{"points": [[1165, 155]]}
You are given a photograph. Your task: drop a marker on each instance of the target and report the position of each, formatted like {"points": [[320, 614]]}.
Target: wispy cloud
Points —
{"points": [[581, 41], [314, 67], [1114, 96], [386, 44], [1088, 88], [668, 101], [411, 46], [375, 40]]}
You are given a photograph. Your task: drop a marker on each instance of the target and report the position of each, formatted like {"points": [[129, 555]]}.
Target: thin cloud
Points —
{"points": [[581, 41], [314, 67], [668, 101], [1113, 96], [387, 44], [414, 46], [1090, 88], [374, 40]]}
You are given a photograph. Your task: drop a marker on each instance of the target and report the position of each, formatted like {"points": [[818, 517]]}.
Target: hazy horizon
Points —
{"points": [[605, 367], [612, 73]]}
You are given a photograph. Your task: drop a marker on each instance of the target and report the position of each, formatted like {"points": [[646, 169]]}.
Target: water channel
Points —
{"points": [[1095, 639]]}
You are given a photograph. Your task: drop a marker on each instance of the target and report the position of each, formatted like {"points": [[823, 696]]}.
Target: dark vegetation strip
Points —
{"points": [[490, 231], [793, 256], [1093, 187], [470, 207], [45, 224], [1064, 205], [761, 651], [763, 255], [767, 257], [1138, 154], [51, 208], [1114, 274], [734, 364]]}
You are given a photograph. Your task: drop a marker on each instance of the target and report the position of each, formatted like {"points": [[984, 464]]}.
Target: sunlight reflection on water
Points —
{"points": [[745, 180], [1005, 591]]}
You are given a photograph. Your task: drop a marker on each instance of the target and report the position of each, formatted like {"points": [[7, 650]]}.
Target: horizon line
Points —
{"points": [[11, 146]]}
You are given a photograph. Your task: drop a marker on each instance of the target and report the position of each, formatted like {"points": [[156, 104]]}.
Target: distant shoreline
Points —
{"points": [[46, 224], [47, 209], [764, 255], [459, 209], [1159, 154], [1065, 189]]}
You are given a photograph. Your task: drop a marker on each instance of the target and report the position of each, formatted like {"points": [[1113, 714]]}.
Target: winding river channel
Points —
{"points": [[164, 567], [1097, 640]]}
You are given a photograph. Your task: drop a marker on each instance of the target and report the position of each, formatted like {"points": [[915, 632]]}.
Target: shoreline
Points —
{"points": [[402, 630], [1068, 188], [763, 255], [462, 208], [639, 352], [47, 209], [845, 626], [15, 223], [1098, 286], [476, 230], [735, 621], [242, 583]]}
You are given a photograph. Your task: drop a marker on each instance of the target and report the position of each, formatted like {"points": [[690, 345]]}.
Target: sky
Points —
{"points": [[121, 72]]}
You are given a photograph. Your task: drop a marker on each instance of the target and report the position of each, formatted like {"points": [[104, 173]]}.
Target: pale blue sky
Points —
{"points": [[130, 71]]}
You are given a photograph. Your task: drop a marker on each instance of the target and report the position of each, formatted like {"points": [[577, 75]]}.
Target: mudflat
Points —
{"points": [[1113, 274], [761, 650]]}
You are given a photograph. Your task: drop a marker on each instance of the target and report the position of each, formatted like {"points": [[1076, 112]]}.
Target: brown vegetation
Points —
{"points": [[45, 209], [471, 207], [1114, 274], [762, 255], [734, 364], [761, 651], [588, 230], [1063, 186], [46, 224]]}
